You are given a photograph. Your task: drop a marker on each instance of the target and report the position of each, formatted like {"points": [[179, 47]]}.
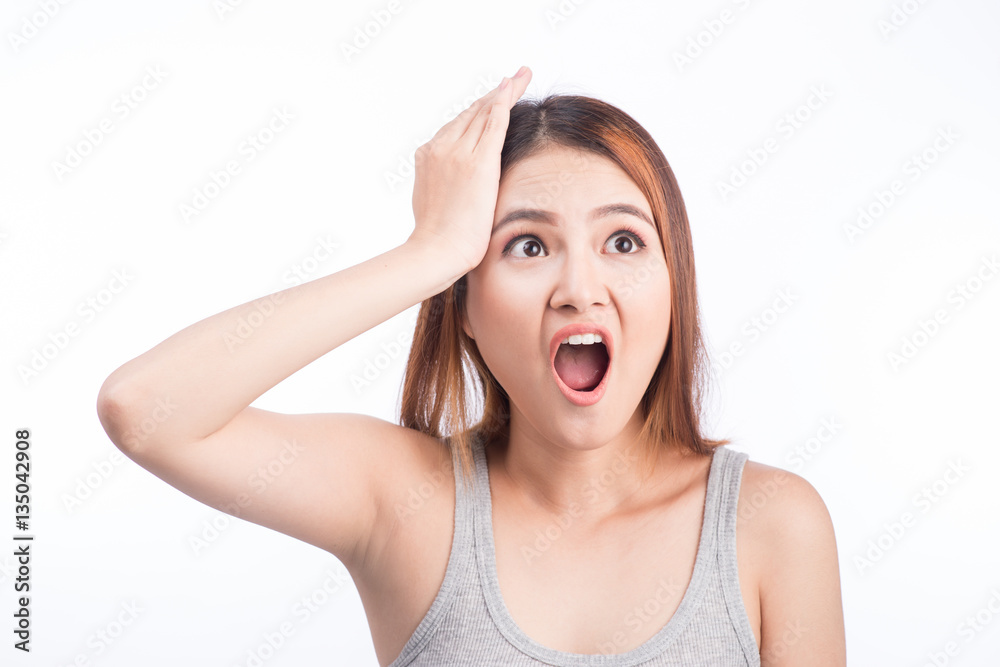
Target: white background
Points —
{"points": [[125, 539]]}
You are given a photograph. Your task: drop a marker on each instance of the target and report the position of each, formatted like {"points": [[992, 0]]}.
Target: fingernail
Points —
{"points": [[521, 71], [503, 84]]}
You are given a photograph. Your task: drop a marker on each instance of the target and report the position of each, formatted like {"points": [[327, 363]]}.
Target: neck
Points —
{"points": [[582, 480]]}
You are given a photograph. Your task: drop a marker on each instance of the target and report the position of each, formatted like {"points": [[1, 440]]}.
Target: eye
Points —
{"points": [[626, 242], [526, 242]]}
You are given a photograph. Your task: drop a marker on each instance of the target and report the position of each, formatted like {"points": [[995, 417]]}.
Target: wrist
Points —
{"points": [[440, 256], [436, 259]]}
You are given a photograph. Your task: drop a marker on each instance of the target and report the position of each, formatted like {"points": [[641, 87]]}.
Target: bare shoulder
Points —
{"points": [[777, 503], [790, 533], [785, 517]]}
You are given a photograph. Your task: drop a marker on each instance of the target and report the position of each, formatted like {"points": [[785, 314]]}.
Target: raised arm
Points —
{"points": [[182, 409]]}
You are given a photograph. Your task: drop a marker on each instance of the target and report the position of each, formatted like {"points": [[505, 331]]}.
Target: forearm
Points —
{"points": [[210, 371]]}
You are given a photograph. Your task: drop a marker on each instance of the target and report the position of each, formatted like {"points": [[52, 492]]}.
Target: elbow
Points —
{"points": [[134, 417], [122, 411], [113, 412]]}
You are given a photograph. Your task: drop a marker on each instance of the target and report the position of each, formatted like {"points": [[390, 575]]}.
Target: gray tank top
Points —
{"points": [[469, 624]]}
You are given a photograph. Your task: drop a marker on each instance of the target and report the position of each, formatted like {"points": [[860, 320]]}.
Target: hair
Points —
{"points": [[443, 360]]}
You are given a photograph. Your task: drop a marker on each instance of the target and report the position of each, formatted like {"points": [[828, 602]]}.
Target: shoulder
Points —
{"points": [[786, 527], [784, 516], [774, 500]]}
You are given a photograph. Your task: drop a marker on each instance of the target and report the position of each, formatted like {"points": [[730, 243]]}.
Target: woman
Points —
{"points": [[583, 519]]}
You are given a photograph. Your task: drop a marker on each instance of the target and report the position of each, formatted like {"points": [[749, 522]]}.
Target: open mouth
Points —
{"points": [[581, 357], [582, 366]]}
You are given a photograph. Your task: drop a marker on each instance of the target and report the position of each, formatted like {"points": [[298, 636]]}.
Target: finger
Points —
{"points": [[479, 111], [457, 126], [474, 133], [494, 127], [489, 128]]}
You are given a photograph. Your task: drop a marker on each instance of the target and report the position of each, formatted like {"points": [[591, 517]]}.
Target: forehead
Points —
{"points": [[556, 169], [569, 184]]}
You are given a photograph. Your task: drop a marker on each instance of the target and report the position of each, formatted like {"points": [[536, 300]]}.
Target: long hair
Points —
{"points": [[444, 361]]}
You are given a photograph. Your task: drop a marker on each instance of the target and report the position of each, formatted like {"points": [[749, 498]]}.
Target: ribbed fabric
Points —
{"points": [[469, 624]]}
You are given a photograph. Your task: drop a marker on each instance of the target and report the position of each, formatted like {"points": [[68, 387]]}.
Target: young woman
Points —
{"points": [[582, 519]]}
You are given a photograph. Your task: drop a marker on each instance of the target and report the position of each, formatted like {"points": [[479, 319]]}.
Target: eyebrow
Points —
{"points": [[537, 215]]}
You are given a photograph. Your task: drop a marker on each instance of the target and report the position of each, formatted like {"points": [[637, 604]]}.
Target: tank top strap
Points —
{"points": [[728, 491]]}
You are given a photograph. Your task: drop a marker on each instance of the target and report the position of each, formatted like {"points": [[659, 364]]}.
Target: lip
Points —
{"points": [[582, 398]]}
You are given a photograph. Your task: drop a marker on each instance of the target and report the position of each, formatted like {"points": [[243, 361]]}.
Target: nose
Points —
{"points": [[580, 281]]}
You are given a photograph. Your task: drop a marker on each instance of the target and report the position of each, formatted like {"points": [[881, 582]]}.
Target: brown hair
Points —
{"points": [[443, 360]]}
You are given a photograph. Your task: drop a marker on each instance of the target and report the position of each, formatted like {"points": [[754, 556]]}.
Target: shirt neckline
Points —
{"points": [[486, 551]]}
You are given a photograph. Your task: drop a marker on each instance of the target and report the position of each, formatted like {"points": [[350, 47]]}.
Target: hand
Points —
{"points": [[457, 177]]}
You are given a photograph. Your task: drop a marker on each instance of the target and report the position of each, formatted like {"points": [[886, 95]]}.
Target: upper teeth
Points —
{"points": [[583, 339]]}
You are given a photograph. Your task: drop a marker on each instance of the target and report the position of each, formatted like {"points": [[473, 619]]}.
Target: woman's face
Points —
{"points": [[583, 268]]}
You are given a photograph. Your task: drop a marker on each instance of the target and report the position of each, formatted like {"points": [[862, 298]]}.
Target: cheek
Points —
{"points": [[506, 326], [482, 306], [643, 296], [497, 300], [490, 313], [645, 285]]}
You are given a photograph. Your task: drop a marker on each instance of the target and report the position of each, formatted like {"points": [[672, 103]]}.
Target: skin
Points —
{"points": [[570, 272], [350, 473], [577, 270]]}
